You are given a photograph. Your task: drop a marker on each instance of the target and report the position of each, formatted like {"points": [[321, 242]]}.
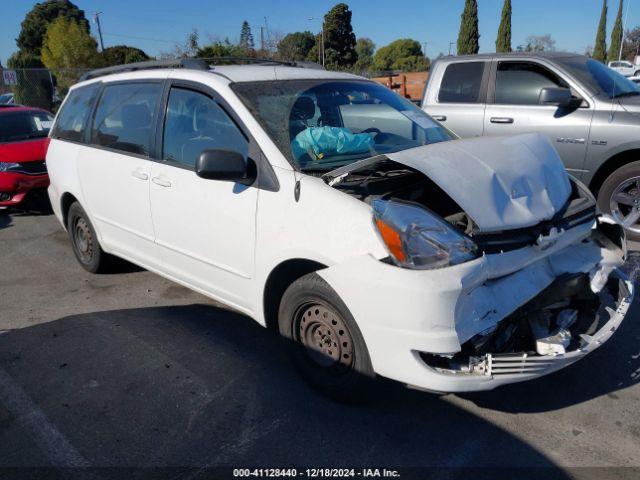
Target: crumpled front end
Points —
{"points": [[502, 318]]}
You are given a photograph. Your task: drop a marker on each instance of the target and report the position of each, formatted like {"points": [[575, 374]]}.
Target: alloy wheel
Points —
{"points": [[625, 204]]}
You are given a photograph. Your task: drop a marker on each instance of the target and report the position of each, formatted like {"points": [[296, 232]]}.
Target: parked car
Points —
{"points": [[330, 209], [7, 99], [624, 68], [23, 147], [590, 113]]}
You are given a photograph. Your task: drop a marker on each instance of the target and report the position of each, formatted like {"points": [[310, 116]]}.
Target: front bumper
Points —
{"points": [[16, 186], [403, 313]]}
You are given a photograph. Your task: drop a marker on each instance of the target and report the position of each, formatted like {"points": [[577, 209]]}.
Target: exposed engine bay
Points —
{"points": [[390, 180]]}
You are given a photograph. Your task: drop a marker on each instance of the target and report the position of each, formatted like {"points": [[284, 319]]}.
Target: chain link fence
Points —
{"points": [[37, 87]]}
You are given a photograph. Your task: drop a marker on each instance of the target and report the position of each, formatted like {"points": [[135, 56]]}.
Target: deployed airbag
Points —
{"points": [[319, 142]]}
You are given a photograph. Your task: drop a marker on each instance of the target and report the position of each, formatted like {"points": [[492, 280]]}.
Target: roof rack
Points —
{"points": [[202, 64]]}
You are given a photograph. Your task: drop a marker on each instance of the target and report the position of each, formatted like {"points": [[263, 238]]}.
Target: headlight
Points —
{"points": [[7, 166], [417, 238]]}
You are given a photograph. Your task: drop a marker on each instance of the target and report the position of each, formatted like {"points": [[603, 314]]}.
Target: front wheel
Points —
{"points": [[620, 197], [326, 345]]}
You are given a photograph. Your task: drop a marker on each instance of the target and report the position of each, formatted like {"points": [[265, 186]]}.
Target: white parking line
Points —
{"points": [[49, 439]]}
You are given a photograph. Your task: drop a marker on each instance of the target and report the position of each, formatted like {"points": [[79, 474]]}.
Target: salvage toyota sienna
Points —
{"points": [[332, 210]]}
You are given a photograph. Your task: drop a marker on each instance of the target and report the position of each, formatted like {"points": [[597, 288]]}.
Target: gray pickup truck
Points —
{"points": [[590, 112]]}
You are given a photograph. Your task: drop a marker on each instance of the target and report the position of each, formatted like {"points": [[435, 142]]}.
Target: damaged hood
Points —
{"points": [[500, 182]]}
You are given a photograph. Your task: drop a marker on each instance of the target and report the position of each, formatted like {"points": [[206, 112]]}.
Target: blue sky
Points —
{"points": [[155, 25]]}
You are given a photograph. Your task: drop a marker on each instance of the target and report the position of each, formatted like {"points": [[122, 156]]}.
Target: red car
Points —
{"points": [[23, 148]]}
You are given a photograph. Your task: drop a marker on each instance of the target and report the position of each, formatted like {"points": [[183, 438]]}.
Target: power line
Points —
{"points": [[142, 38]]}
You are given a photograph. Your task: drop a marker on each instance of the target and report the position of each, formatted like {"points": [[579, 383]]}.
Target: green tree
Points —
{"points": [[339, 39], [67, 47], [600, 48], [616, 35], [469, 35], [296, 46], [631, 42], [220, 49], [121, 54], [246, 38], [404, 54], [364, 49], [503, 42], [34, 87], [35, 24]]}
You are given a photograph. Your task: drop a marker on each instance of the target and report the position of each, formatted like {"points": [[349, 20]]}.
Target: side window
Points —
{"points": [[194, 123], [123, 119], [462, 83], [519, 83], [74, 113]]}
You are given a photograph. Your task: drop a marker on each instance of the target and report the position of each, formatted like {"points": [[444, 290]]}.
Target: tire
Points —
{"points": [[338, 365], [84, 240], [623, 184], [636, 73]]}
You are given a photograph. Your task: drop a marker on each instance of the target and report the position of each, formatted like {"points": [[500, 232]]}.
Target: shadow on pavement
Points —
{"points": [[202, 386]]}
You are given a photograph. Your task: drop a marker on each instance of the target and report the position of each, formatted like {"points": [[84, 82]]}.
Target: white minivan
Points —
{"points": [[330, 209]]}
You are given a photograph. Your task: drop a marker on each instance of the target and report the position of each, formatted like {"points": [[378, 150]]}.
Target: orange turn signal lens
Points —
{"points": [[392, 239]]}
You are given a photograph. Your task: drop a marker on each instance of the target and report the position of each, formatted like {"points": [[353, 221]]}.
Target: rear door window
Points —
{"points": [[462, 83], [124, 117], [75, 111]]}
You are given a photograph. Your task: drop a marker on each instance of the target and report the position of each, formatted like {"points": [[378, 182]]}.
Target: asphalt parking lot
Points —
{"points": [[130, 370]]}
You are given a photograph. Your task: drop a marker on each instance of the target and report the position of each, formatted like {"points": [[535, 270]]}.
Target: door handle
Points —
{"points": [[440, 118], [501, 120], [140, 174], [161, 182]]}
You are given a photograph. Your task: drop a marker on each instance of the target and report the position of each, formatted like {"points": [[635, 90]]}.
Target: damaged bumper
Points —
{"points": [[471, 326]]}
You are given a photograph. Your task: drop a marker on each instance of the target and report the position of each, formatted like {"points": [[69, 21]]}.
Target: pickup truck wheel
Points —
{"points": [[620, 197], [85, 241], [326, 345]]}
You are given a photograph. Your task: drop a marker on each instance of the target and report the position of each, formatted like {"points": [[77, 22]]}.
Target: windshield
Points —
{"points": [[322, 125], [17, 126], [599, 78]]}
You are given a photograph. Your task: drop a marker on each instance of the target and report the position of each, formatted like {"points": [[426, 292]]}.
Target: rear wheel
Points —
{"points": [[85, 241], [620, 197], [326, 345]]}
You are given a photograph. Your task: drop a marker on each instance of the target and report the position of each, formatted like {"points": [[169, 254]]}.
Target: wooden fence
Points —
{"points": [[409, 85]]}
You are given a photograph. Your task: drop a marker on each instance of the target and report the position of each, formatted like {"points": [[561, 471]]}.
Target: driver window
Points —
{"points": [[195, 122], [519, 83]]}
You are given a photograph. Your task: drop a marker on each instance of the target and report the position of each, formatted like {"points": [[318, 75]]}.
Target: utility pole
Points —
{"points": [[321, 46], [424, 49], [262, 39], [96, 18], [624, 26], [450, 44]]}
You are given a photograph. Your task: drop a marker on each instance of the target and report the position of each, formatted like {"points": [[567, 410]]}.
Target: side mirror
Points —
{"points": [[560, 97], [225, 165]]}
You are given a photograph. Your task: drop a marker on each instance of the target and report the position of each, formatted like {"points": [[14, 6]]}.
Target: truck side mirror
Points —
{"points": [[560, 97]]}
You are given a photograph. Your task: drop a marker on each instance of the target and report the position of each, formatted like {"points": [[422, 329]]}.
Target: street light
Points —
{"points": [[321, 49]]}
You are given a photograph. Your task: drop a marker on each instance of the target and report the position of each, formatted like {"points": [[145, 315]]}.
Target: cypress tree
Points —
{"points": [[600, 49], [246, 37], [616, 36], [469, 35], [503, 42]]}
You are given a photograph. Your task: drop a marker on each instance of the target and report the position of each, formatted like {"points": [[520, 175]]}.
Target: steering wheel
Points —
{"points": [[372, 130]]}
